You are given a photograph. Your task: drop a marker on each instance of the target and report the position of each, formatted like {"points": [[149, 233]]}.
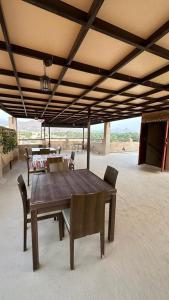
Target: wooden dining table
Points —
{"points": [[52, 192]]}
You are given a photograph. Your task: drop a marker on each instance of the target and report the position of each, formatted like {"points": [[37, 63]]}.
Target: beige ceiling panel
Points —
{"points": [[139, 17], [82, 4], [163, 79], [36, 102], [113, 84], [102, 51], [77, 106], [143, 65], [69, 90], [57, 104], [119, 98], [18, 105], [5, 61], [164, 42], [62, 99], [36, 28], [138, 101], [35, 67], [154, 104], [105, 104], [30, 84], [11, 92], [80, 77], [139, 89], [95, 94], [7, 80], [121, 106], [36, 95], [160, 94], [85, 101]]}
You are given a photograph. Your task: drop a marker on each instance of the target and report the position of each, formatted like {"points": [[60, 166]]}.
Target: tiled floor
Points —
{"points": [[136, 265]]}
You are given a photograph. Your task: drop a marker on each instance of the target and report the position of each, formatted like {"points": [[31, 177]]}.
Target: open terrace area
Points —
{"points": [[84, 197], [135, 265]]}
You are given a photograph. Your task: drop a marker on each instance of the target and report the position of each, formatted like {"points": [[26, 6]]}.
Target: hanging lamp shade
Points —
{"points": [[45, 84]]}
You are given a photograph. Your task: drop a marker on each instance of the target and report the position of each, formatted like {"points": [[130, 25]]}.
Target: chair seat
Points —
{"points": [[39, 170]]}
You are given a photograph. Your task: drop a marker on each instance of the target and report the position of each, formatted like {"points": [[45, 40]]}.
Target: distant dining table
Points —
{"points": [[39, 161], [52, 191], [37, 150]]}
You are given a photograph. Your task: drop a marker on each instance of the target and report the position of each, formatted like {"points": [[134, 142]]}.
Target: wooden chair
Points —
{"points": [[86, 216], [110, 176], [72, 163], [59, 149], [30, 168], [56, 164], [44, 151], [26, 212], [27, 153]]}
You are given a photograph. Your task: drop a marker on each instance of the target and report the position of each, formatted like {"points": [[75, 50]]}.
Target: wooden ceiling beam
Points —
{"points": [[133, 54], [76, 15], [96, 4], [160, 87], [11, 57]]}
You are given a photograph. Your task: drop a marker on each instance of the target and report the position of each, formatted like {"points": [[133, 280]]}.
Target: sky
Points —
{"points": [[116, 126]]}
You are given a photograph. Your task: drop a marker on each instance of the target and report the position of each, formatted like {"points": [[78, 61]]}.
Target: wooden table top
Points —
{"points": [[55, 189], [38, 149]]}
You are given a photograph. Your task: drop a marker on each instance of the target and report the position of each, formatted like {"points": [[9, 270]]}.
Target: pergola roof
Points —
{"points": [[108, 56]]}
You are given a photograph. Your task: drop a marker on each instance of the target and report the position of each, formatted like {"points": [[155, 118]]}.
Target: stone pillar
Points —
{"points": [[12, 123], [106, 141]]}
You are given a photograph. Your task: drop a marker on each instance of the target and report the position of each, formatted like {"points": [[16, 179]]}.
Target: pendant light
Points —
{"points": [[45, 82]]}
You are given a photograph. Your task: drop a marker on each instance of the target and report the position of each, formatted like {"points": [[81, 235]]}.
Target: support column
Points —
{"points": [[106, 137], [83, 140], [88, 140], [49, 136], [12, 122], [41, 132]]}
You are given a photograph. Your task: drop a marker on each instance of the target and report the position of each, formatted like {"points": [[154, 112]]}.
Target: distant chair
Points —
{"points": [[72, 163], [86, 216], [26, 212], [56, 164], [59, 149], [27, 153], [44, 151], [30, 168], [110, 176]]}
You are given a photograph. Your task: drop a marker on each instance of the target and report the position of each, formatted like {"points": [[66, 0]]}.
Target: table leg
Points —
{"points": [[111, 225], [35, 251]]}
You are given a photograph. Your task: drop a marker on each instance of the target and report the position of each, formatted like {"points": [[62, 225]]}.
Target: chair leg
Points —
{"points": [[71, 253], [25, 234], [28, 178], [61, 226], [101, 244]]}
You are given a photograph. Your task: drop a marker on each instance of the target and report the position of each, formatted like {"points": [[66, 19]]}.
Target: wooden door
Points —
{"points": [[165, 147]]}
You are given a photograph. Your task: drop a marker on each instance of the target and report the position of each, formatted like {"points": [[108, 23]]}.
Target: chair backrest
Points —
{"points": [[56, 164], [87, 214], [27, 152], [59, 149], [110, 176], [72, 155], [23, 192], [44, 151]]}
